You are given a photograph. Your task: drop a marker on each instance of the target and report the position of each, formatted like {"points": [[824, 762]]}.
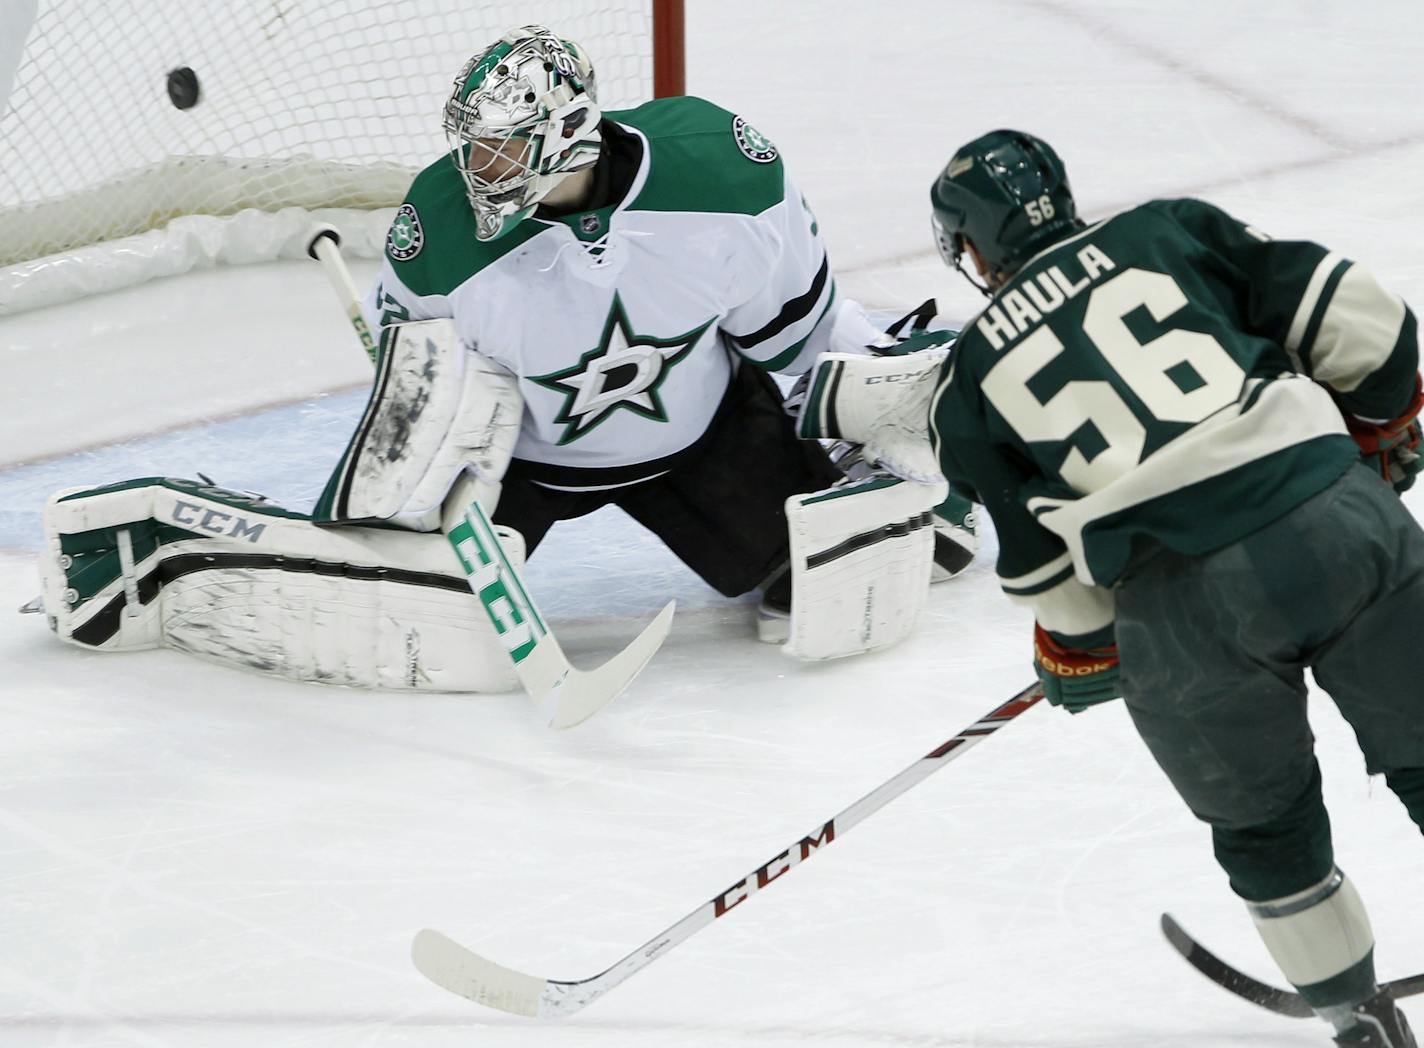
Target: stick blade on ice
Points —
{"points": [[451, 966], [579, 695], [1264, 995]]}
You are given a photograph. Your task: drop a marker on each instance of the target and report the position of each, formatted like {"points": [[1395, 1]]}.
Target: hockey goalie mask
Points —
{"points": [[522, 118]]}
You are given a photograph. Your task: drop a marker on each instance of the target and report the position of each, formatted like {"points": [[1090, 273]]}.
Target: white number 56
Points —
{"points": [[1039, 211], [1144, 367]]}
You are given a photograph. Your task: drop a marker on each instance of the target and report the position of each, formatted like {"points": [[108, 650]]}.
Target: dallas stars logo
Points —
{"points": [[406, 237], [753, 144], [624, 370]]}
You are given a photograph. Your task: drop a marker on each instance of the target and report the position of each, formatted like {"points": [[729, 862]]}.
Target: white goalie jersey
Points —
{"points": [[622, 323]]}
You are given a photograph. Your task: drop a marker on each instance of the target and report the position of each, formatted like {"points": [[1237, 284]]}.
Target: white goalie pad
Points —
{"points": [[436, 407], [882, 403], [229, 577], [861, 556]]}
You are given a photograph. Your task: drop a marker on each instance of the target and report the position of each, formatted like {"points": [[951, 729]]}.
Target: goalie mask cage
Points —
{"points": [[142, 138]]}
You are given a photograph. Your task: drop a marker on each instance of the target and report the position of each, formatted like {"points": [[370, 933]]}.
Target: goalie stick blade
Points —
{"points": [[563, 695], [577, 695]]}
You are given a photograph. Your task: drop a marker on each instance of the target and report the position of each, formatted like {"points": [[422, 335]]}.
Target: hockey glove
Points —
{"points": [[1392, 449], [1075, 678]]}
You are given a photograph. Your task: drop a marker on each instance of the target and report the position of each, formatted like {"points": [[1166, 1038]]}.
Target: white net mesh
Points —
{"points": [[304, 104]]}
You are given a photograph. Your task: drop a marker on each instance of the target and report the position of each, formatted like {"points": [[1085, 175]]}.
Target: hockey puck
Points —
{"points": [[183, 90]]}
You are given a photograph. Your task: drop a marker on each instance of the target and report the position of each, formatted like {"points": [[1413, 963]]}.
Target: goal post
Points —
{"points": [[142, 138], [669, 49]]}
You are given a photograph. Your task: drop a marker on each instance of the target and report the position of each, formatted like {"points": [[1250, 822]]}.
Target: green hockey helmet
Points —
{"points": [[1008, 193], [523, 117]]}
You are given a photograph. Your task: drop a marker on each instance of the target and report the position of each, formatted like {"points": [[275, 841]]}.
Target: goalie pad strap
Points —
{"points": [[103, 625], [867, 539]]}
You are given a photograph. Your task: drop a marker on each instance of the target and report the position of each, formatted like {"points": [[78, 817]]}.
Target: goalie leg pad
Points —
{"points": [[435, 408], [861, 556], [231, 578]]}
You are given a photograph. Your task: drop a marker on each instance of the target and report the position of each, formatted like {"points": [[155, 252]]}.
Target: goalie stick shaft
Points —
{"points": [[1264, 995], [464, 972], [323, 246], [564, 695]]}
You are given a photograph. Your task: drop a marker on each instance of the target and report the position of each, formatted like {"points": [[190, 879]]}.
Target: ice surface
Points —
{"points": [[194, 857]]}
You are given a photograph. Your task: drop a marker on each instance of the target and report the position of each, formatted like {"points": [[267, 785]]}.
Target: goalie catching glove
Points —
{"points": [[881, 403], [854, 334], [1075, 678], [1392, 449]]}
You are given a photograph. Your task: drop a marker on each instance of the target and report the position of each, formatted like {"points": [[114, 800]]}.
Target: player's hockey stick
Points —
{"points": [[565, 696], [450, 965], [1272, 998]]}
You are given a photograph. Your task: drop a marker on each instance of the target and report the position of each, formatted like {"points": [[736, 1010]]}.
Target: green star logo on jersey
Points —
{"points": [[624, 370], [753, 144], [405, 237]]}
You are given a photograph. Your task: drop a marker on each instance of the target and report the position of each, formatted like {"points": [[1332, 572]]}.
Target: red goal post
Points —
{"points": [[141, 138]]}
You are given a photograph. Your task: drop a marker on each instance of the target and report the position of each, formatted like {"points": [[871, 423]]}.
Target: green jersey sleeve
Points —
{"points": [[1339, 326]]}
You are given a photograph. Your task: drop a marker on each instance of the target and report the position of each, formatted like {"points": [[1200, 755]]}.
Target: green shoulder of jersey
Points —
{"points": [[702, 158], [431, 242]]}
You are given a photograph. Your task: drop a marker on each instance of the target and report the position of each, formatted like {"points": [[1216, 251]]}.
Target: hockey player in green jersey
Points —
{"points": [[1157, 412], [639, 274]]}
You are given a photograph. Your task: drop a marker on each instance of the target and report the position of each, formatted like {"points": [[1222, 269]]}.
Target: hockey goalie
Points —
{"points": [[365, 591], [575, 309]]}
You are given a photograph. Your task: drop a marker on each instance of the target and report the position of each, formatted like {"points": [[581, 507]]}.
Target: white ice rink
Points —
{"points": [[195, 857]]}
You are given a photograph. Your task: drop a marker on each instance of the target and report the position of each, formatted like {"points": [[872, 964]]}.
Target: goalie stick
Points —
{"points": [[565, 696], [1264, 995], [461, 971]]}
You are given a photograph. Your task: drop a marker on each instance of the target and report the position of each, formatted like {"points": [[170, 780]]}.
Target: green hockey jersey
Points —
{"points": [[622, 323], [1169, 376]]}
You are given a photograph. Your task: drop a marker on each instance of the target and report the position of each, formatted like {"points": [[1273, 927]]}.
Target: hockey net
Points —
{"points": [[306, 110]]}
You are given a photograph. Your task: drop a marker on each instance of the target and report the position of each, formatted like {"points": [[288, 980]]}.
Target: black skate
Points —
{"points": [[1379, 1024]]}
